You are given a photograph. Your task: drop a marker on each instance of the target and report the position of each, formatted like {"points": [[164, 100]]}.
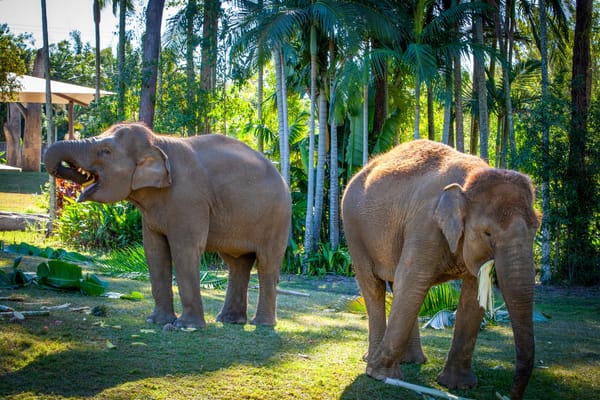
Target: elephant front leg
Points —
{"points": [[457, 373], [158, 258], [235, 307], [187, 261], [409, 293]]}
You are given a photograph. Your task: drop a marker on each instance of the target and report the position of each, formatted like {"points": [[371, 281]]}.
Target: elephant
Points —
{"points": [[195, 194], [422, 214]]}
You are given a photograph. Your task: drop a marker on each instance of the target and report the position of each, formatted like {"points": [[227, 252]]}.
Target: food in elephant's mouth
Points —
{"points": [[87, 179]]}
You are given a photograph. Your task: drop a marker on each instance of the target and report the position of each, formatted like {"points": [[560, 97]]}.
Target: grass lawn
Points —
{"points": [[315, 351], [20, 192]]}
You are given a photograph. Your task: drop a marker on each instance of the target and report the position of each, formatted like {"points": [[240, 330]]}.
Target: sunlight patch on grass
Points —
{"points": [[19, 349], [22, 203]]}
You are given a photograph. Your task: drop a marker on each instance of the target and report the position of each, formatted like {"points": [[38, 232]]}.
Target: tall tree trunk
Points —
{"points": [[259, 95], [365, 125], [417, 106], [458, 105], [121, 59], [12, 133], [581, 187], [430, 113], [190, 14], [259, 108], [32, 134], [334, 182], [447, 105], [479, 71], [284, 159], [309, 235], [546, 273], [49, 120], [208, 58], [97, 37], [150, 55], [321, 155]]}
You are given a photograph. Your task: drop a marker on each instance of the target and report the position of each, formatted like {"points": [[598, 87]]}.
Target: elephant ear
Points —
{"points": [[152, 170], [450, 214]]}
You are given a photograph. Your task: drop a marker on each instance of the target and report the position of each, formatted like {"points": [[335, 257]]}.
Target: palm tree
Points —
{"points": [[581, 260], [479, 77], [123, 6], [49, 120], [150, 50], [546, 273], [98, 5], [180, 33]]}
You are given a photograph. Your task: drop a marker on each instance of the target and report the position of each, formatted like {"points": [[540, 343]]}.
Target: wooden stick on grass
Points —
{"points": [[11, 314], [422, 389]]}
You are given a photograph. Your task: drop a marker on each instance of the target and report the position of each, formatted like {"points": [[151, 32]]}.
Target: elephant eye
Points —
{"points": [[104, 152], [487, 233]]}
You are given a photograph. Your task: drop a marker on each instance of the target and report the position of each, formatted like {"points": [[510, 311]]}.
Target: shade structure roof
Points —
{"points": [[33, 90]]}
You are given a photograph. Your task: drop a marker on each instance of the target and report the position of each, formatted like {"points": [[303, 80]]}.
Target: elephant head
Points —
{"points": [[112, 165], [492, 217]]}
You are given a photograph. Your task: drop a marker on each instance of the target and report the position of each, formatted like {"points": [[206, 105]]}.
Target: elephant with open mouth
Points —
{"points": [[422, 214], [196, 194]]}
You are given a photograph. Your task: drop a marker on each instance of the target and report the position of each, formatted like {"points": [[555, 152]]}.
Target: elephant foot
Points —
{"points": [[189, 322], [264, 321], [457, 379], [414, 356], [381, 373], [231, 318], [161, 318]]}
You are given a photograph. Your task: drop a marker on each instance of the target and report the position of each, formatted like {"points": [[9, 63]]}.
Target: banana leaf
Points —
{"points": [[91, 285], [59, 275], [15, 278]]}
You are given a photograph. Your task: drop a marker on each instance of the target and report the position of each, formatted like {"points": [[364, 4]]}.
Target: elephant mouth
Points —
{"points": [[89, 180]]}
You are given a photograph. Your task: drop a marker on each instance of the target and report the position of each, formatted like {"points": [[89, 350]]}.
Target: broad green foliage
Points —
{"points": [[55, 275], [93, 225]]}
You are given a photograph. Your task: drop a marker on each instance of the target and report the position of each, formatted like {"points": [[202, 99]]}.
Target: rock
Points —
{"points": [[10, 221]]}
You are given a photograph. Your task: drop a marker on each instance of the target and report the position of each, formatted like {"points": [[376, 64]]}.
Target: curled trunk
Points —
{"points": [[63, 158]]}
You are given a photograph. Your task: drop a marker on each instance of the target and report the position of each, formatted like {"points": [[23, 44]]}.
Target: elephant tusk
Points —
{"points": [[485, 294]]}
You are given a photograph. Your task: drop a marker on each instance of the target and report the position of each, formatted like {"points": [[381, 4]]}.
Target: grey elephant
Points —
{"points": [[196, 194], [422, 214]]}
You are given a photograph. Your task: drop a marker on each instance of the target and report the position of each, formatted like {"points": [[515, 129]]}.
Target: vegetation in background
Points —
{"points": [[370, 59]]}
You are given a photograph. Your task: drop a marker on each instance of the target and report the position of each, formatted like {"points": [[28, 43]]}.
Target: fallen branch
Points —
{"points": [[12, 298], [11, 314], [422, 389], [6, 308], [286, 291]]}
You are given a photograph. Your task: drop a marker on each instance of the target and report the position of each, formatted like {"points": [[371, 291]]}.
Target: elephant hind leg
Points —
{"points": [[268, 266], [235, 308]]}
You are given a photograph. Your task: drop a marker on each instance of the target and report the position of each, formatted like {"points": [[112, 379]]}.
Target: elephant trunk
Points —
{"points": [[64, 159], [516, 278]]}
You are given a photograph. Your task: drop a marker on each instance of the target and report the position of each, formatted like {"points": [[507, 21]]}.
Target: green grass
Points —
{"points": [[315, 351], [21, 192]]}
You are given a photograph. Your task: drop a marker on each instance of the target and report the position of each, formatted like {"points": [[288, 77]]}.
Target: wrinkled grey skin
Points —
{"points": [[204, 193], [423, 214]]}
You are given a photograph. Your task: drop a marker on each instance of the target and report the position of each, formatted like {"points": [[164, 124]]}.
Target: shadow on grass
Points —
{"points": [[88, 370]]}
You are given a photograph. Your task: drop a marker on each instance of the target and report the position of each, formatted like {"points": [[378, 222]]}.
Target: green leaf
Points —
{"points": [[134, 296], [91, 285], [60, 275]]}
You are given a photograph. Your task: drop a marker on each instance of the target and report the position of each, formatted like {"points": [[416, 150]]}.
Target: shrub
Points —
{"points": [[99, 226]]}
